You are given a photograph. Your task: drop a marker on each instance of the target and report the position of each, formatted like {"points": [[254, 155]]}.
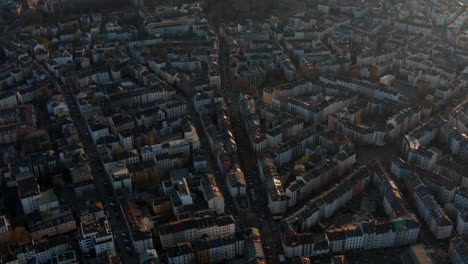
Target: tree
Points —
{"points": [[76, 35], [424, 89], [240, 84], [48, 44], [42, 95], [19, 235], [119, 149], [151, 140], [273, 75], [204, 6], [156, 176], [110, 60], [252, 90], [142, 180], [116, 153], [305, 158]]}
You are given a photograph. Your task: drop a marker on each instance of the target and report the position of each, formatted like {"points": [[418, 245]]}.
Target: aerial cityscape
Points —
{"points": [[233, 131]]}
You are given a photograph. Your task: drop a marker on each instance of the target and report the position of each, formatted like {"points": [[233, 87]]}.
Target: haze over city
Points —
{"points": [[233, 131]]}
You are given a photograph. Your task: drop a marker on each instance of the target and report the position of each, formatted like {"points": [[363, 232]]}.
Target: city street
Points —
{"points": [[116, 218], [248, 162], [233, 131]]}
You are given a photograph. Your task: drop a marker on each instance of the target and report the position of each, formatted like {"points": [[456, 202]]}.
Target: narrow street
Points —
{"points": [[229, 204], [248, 162], [15, 24], [116, 217]]}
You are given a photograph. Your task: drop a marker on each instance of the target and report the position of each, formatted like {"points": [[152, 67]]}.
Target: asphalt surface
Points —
{"points": [[248, 162], [116, 216]]}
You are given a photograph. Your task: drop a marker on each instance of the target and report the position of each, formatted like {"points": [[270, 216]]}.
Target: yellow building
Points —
{"points": [[162, 206], [202, 255], [268, 94]]}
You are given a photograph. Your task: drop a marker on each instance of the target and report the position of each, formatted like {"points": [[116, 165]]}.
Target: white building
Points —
{"points": [[148, 256], [5, 229], [400, 168], [48, 201], [236, 183], [354, 237], [8, 99], [458, 117], [142, 241], [98, 130], [458, 249], [119, 176], [461, 198], [180, 254], [63, 58], [96, 236], [213, 195], [462, 222], [126, 140], [422, 157], [170, 28], [191, 229], [29, 194], [435, 217]]}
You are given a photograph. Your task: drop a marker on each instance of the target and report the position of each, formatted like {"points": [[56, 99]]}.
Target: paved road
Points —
{"points": [[230, 207], [116, 217], [248, 162], [15, 24]]}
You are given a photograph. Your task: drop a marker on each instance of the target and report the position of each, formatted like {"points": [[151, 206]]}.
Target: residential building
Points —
{"points": [[180, 254], [458, 251], [5, 229], [96, 236], [192, 229]]}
